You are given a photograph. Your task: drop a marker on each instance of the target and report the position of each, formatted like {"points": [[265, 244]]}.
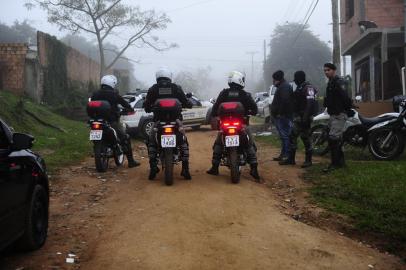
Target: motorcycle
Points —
{"points": [[106, 144], [168, 135], [356, 130], [234, 156], [387, 139]]}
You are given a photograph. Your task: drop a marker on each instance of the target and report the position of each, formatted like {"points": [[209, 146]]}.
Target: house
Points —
{"points": [[372, 33]]}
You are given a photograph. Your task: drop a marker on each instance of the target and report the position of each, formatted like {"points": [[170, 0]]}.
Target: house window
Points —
{"points": [[349, 9]]}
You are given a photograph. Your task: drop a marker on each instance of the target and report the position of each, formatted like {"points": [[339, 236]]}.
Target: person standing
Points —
{"points": [[282, 111], [338, 103], [304, 108]]}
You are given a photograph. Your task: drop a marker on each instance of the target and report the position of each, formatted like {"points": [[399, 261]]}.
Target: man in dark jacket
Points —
{"points": [[164, 88], [282, 111], [236, 93], [304, 108], [338, 104], [108, 93]]}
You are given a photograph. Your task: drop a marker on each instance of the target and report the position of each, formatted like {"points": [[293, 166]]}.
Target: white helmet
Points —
{"points": [[163, 73], [236, 77], [109, 80]]}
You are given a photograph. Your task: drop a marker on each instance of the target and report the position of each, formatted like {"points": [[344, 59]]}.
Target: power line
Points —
{"points": [[189, 6], [304, 24]]}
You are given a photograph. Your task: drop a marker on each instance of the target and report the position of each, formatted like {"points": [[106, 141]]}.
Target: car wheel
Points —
{"points": [[36, 222], [147, 127]]}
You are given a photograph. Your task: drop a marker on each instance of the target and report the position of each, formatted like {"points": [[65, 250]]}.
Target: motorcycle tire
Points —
{"points": [[168, 163], [319, 137], [119, 159], [100, 156], [234, 165], [397, 144]]}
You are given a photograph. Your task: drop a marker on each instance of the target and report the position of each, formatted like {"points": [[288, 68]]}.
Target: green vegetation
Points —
{"points": [[60, 146], [372, 193]]}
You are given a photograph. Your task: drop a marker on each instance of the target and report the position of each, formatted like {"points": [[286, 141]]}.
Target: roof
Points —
{"points": [[367, 38]]}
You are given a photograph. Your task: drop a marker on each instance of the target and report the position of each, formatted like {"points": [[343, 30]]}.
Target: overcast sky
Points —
{"points": [[216, 33]]}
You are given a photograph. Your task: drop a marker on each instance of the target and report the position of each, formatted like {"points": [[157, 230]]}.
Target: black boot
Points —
{"points": [[254, 172], [154, 170], [308, 161], [290, 160], [185, 171], [131, 162], [335, 164], [214, 170]]}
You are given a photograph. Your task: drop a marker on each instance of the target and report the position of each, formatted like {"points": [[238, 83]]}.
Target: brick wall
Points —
{"points": [[385, 13], [80, 68], [12, 66]]}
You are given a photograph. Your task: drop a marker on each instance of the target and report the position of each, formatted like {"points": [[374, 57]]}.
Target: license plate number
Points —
{"points": [[96, 135], [232, 141], [168, 141]]}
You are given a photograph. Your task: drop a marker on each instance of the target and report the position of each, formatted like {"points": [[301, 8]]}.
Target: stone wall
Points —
{"points": [[12, 67]]}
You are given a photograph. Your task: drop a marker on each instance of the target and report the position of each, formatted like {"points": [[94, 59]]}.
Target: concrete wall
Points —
{"points": [[12, 67]]}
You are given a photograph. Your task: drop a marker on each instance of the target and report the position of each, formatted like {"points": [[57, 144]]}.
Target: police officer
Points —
{"points": [[305, 106], [236, 93], [338, 104], [164, 88], [109, 93]]}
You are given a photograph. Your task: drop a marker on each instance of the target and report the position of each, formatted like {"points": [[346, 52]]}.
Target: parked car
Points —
{"points": [[24, 192], [141, 122], [264, 101]]}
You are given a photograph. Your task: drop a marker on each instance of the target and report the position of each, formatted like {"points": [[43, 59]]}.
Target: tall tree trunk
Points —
{"points": [[102, 58]]}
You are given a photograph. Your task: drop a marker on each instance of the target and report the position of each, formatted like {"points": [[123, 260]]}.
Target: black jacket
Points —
{"points": [[236, 95], [305, 101], [165, 89], [282, 104], [337, 100], [114, 98]]}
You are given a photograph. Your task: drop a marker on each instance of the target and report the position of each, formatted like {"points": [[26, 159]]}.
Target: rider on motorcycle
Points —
{"points": [[236, 93], [109, 93], [164, 88]]}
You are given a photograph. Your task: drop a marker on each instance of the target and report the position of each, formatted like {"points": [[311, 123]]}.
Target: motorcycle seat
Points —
{"points": [[369, 122]]}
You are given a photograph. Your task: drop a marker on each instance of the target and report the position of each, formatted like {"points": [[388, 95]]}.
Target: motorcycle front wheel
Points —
{"points": [[168, 166], [234, 165], [319, 137], [386, 144], [119, 158], [101, 156]]}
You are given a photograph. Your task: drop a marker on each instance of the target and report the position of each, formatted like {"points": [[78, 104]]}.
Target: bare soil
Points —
{"points": [[120, 220]]}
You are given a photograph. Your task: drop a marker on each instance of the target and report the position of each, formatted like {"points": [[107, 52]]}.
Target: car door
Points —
{"points": [[13, 189]]}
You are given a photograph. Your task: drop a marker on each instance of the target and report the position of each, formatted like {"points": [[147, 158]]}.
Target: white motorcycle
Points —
{"points": [[356, 130]]}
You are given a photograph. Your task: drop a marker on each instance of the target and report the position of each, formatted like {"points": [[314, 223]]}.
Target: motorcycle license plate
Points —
{"points": [[168, 141], [96, 135], [232, 141]]}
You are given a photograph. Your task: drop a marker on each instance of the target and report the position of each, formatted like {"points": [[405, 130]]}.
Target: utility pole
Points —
{"points": [[252, 65], [263, 71], [336, 35]]}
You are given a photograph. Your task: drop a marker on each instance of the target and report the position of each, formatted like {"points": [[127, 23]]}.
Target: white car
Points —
{"points": [[264, 103], [141, 122]]}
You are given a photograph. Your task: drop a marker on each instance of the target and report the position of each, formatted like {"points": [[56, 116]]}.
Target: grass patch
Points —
{"points": [[58, 148]]}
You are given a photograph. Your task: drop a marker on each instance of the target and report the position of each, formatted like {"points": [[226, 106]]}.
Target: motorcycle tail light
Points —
{"points": [[168, 130], [96, 126], [231, 131]]}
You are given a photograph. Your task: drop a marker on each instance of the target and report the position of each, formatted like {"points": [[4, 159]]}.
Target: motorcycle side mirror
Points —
{"points": [[22, 141], [212, 100], [189, 95], [358, 98]]}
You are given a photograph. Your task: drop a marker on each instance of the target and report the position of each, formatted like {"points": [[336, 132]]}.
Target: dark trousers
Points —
{"points": [[284, 127], [300, 130], [247, 140], [124, 138]]}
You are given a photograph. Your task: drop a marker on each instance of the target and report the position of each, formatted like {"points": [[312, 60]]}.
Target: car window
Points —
{"points": [[139, 104], [195, 102]]}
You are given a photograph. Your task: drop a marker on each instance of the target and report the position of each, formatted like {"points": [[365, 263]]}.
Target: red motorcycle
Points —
{"points": [[232, 121]]}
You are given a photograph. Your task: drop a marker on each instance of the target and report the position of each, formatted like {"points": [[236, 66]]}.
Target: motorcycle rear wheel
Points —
{"points": [[234, 165], [168, 166], [319, 137], [100, 156]]}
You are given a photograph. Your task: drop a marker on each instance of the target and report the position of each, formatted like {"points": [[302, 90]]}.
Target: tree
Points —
{"points": [[18, 32], [105, 19], [291, 52], [198, 82]]}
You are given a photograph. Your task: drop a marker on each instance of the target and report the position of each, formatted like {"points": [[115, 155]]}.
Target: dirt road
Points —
{"points": [[127, 222]]}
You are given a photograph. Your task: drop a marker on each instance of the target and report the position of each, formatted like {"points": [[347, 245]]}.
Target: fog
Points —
{"points": [[216, 34]]}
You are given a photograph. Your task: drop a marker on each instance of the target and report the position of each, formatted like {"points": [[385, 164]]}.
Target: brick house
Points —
{"points": [[372, 33]]}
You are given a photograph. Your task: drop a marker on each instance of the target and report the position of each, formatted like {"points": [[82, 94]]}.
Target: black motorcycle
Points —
{"points": [[387, 139], [168, 135], [232, 121], [106, 144]]}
